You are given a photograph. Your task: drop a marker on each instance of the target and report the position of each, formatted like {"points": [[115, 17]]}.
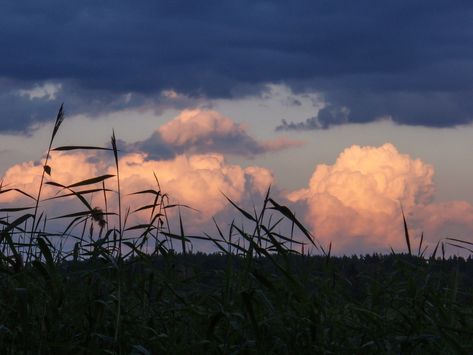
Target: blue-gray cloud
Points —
{"points": [[409, 59]]}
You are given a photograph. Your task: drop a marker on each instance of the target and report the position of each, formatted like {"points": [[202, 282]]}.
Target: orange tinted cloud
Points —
{"points": [[207, 131], [355, 203], [446, 219], [195, 180], [193, 126], [66, 169]]}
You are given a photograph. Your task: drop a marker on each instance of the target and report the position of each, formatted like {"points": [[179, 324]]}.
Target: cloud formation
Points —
{"points": [[355, 203], [194, 180], [405, 60], [205, 131], [326, 117], [47, 90]]}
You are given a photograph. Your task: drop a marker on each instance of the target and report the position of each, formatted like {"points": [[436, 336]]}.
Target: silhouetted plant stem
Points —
{"points": [[120, 229], [46, 170]]}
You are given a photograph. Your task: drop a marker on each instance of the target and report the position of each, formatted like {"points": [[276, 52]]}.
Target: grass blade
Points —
{"points": [[79, 147], [406, 232], [91, 181]]}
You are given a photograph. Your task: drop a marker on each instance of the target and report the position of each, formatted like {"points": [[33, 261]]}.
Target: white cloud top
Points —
{"points": [[355, 203]]}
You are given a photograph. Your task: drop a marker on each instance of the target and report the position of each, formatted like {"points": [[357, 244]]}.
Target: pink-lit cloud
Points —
{"points": [[355, 203], [206, 131], [194, 180], [447, 219], [66, 169]]}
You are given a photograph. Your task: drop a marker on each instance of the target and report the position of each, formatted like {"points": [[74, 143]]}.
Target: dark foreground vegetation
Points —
{"points": [[227, 304], [102, 287]]}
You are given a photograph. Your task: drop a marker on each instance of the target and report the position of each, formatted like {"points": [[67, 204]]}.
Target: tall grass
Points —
{"points": [[125, 289]]}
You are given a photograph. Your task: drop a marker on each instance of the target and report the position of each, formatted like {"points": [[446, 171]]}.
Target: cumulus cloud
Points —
{"points": [[66, 169], [204, 131], [194, 180], [355, 203], [446, 219]]}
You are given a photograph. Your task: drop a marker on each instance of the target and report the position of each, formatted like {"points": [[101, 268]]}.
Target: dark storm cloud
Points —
{"points": [[23, 104], [15, 109], [326, 117], [412, 60]]}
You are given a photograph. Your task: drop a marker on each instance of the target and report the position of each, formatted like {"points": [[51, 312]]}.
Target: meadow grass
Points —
{"points": [[125, 289]]}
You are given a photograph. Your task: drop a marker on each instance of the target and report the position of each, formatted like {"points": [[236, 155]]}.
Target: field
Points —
{"points": [[142, 290]]}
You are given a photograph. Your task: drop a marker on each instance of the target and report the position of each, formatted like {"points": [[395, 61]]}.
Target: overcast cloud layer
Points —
{"points": [[411, 60]]}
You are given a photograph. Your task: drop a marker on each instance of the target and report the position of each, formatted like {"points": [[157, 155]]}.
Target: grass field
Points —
{"points": [[97, 288]]}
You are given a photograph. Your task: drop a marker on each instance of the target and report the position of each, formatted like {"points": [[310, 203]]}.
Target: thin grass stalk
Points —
{"points": [[181, 227], [105, 204], [164, 211], [46, 170], [406, 232], [81, 240], [292, 233], [120, 230], [261, 216], [152, 218], [419, 251]]}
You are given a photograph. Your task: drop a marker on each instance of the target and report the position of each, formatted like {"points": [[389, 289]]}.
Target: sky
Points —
{"points": [[347, 109]]}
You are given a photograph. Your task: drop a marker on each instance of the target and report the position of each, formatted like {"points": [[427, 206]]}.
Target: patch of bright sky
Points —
{"points": [[262, 114]]}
